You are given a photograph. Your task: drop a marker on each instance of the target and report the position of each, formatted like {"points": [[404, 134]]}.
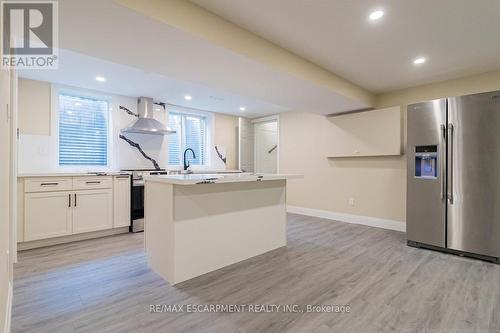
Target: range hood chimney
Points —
{"points": [[146, 124]]}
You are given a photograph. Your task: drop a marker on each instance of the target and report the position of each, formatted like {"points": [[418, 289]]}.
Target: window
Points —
{"points": [[191, 132], [83, 131]]}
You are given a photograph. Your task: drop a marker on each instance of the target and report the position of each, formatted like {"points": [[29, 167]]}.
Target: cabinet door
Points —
{"points": [[92, 210], [121, 197], [47, 214]]}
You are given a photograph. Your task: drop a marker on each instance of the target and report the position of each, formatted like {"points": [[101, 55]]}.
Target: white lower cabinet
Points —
{"points": [[92, 210], [62, 206], [47, 214], [121, 197]]}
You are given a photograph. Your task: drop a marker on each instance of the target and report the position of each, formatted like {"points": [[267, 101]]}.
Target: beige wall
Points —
{"points": [[377, 184], [226, 134], [463, 86]]}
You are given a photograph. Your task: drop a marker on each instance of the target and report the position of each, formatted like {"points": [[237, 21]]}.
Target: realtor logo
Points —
{"points": [[29, 34]]}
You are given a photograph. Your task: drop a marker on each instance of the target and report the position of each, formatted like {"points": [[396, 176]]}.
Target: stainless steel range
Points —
{"points": [[137, 196]]}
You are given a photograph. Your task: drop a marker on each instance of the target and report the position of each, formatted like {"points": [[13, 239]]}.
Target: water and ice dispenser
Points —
{"points": [[426, 162]]}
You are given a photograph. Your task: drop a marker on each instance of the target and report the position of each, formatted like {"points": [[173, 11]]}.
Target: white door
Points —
{"points": [[47, 214], [266, 146], [121, 198], [245, 145], [92, 210]]}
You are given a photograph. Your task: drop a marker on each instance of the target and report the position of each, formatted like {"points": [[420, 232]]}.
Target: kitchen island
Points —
{"points": [[195, 224]]}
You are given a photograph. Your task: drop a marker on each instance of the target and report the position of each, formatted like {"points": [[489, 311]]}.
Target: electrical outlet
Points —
{"points": [[351, 201]]}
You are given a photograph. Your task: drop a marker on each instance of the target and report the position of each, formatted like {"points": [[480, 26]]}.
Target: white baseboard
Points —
{"points": [[349, 218], [70, 238], [8, 310]]}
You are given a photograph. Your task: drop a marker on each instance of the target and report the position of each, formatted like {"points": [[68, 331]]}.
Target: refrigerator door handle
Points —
{"points": [[442, 162], [450, 163]]}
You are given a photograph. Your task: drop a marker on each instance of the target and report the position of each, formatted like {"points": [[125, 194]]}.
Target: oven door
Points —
{"points": [[137, 206]]}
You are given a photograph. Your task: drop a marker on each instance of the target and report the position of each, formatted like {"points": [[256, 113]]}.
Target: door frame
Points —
{"points": [[14, 133], [276, 118]]}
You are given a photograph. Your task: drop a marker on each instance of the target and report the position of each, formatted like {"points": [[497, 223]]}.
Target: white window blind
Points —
{"points": [[190, 133], [83, 131]]}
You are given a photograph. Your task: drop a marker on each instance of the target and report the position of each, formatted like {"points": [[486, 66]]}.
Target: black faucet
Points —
{"points": [[186, 163]]}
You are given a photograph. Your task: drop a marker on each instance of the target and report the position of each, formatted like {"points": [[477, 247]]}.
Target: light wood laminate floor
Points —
{"points": [[105, 285]]}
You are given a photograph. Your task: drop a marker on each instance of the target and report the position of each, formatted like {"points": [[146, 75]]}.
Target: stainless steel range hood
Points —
{"points": [[146, 124]]}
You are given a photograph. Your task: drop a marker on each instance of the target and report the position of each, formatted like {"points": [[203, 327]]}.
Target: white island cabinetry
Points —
{"points": [[195, 224]]}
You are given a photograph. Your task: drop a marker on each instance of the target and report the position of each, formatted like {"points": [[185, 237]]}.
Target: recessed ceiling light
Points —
{"points": [[188, 97], [100, 79], [419, 60], [242, 108], [78, 104], [376, 15]]}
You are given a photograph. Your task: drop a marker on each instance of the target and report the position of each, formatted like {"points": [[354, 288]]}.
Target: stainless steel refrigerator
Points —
{"points": [[453, 179]]}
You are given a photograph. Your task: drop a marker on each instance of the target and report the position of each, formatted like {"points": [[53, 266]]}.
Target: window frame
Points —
{"points": [[64, 90], [209, 125]]}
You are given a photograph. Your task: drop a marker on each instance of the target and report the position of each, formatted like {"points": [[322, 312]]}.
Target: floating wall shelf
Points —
{"points": [[368, 133]]}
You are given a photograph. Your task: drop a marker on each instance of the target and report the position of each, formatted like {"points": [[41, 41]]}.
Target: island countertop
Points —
{"points": [[193, 179], [198, 223]]}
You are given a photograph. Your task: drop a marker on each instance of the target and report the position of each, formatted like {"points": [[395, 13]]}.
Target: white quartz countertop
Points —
{"points": [[193, 179], [74, 174], [117, 173], [209, 171]]}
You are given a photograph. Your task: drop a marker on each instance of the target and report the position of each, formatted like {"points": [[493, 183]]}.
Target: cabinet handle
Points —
{"points": [[450, 163], [93, 182], [75, 199], [49, 184], [69, 200], [121, 177], [442, 162]]}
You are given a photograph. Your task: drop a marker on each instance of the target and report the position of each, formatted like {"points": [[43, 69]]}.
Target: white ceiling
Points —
{"points": [[142, 56], [458, 37], [78, 70]]}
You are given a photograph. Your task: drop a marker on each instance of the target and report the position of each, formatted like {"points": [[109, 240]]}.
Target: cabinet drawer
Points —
{"points": [[47, 184], [88, 183]]}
